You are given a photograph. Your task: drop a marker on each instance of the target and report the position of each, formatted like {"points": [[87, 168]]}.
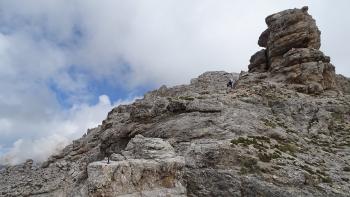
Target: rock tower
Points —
{"points": [[291, 55]]}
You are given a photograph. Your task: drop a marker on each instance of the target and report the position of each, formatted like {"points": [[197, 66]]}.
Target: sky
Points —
{"points": [[65, 63]]}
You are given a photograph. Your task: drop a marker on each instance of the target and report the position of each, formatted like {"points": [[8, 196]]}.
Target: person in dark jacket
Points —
{"points": [[230, 83]]}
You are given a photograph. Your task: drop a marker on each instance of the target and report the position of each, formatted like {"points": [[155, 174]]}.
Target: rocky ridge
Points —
{"points": [[282, 131]]}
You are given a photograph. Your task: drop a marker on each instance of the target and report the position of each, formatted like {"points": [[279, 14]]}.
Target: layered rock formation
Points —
{"points": [[147, 167], [275, 134], [292, 42]]}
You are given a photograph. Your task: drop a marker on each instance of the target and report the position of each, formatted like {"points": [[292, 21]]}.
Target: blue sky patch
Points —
{"points": [[95, 88]]}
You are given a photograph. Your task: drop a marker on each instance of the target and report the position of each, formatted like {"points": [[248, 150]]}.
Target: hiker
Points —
{"points": [[230, 83], [230, 86], [107, 153]]}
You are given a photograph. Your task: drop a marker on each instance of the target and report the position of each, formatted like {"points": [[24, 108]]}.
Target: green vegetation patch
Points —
{"points": [[204, 92], [322, 175], [260, 138], [326, 179], [269, 123], [249, 165], [187, 98], [290, 148], [337, 116], [264, 157], [258, 142], [201, 97], [244, 141]]}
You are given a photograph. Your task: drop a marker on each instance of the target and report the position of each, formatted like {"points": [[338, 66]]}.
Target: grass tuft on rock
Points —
{"points": [[256, 141], [187, 98], [287, 148], [269, 123], [249, 165]]}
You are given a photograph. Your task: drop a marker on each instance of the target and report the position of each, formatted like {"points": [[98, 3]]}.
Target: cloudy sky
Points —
{"points": [[65, 63]]}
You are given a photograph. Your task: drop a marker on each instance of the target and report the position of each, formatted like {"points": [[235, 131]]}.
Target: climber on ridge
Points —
{"points": [[230, 83]]}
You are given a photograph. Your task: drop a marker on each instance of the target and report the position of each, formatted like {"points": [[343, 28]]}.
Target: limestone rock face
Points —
{"points": [[306, 66], [150, 168], [343, 83], [292, 42], [264, 37], [258, 62], [148, 148], [288, 29]]}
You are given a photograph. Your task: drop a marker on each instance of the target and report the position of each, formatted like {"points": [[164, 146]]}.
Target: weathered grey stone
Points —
{"points": [[135, 176], [205, 106], [151, 168], [343, 83], [307, 67], [263, 38], [148, 148], [117, 157], [293, 28], [258, 62], [292, 41]]}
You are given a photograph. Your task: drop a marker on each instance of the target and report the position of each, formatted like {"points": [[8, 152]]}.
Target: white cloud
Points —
{"points": [[59, 131], [38, 149]]}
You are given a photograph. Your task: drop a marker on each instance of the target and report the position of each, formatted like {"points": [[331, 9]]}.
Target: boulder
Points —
{"points": [[148, 167], [263, 38], [148, 148], [258, 62], [293, 28]]}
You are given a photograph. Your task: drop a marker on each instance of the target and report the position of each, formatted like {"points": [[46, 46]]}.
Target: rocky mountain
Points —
{"points": [[282, 130]]}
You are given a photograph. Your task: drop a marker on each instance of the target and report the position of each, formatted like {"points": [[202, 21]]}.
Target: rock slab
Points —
{"points": [[151, 168]]}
